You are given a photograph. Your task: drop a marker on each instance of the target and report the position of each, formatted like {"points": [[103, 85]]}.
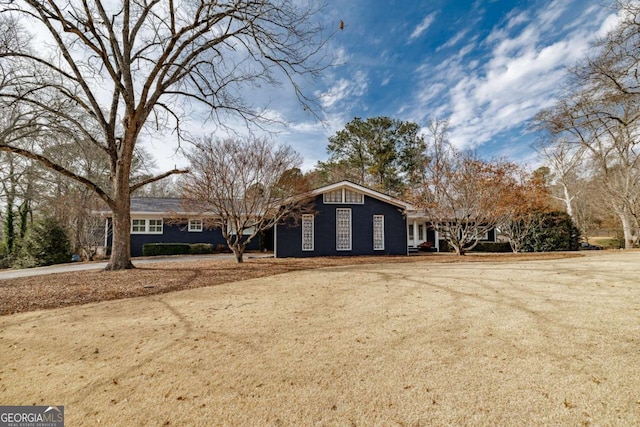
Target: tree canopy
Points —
{"points": [[379, 152], [112, 72]]}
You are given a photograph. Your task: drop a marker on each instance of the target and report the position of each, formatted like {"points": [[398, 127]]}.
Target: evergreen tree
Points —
{"points": [[45, 243], [556, 232], [379, 152]]}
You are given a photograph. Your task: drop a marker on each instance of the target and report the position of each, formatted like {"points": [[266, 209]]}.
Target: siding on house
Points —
{"points": [[178, 233], [345, 219], [288, 235]]}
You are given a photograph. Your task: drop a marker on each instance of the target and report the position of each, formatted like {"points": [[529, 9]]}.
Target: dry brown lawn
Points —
{"points": [[506, 341]]}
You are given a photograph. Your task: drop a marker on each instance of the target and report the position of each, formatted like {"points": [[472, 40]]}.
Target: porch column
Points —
{"points": [[415, 234], [437, 238]]}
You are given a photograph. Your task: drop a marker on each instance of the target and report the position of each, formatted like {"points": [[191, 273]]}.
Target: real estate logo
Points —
{"points": [[31, 416]]}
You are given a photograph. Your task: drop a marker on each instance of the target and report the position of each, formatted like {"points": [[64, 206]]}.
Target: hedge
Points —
{"points": [[492, 247], [155, 249], [201, 248]]}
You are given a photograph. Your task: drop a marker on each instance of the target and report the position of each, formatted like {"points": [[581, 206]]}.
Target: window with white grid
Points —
{"points": [[155, 226], [146, 226], [195, 225], [353, 197], [307, 232], [138, 226], [378, 232], [333, 196], [343, 229]]}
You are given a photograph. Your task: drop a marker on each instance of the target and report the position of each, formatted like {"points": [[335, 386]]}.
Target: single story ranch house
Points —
{"points": [[347, 219]]}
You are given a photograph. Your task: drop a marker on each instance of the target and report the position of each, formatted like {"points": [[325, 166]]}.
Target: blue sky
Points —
{"points": [[487, 66]]}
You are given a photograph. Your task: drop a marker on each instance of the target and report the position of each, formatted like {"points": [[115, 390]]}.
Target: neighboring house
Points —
{"points": [[164, 220], [343, 219]]}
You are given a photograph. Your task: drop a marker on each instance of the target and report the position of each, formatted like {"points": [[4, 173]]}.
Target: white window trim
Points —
{"points": [[309, 219], [195, 225], [147, 226], [343, 197], [379, 247], [350, 230], [328, 202]]}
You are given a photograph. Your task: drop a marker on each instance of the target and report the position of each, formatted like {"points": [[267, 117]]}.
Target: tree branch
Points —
{"points": [[134, 187]]}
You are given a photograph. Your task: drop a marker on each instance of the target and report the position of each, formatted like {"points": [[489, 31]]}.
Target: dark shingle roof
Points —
{"points": [[157, 205], [154, 205]]}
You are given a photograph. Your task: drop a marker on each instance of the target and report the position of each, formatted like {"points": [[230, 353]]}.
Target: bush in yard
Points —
{"points": [[154, 249], [4, 258], [555, 232], [201, 248], [492, 247], [45, 243]]}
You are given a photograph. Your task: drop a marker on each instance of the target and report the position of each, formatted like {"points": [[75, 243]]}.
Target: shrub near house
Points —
{"points": [[555, 232]]}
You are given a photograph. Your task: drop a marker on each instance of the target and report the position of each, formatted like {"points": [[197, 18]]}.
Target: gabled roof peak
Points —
{"points": [[362, 189]]}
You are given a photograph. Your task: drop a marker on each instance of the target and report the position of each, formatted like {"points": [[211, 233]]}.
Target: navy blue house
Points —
{"points": [[345, 219], [153, 220]]}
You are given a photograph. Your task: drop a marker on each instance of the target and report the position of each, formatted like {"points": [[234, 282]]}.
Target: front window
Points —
{"points": [[155, 226], [353, 197], [378, 232], [307, 232], [343, 229], [195, 225], [333, 196], [343, 195], [138, 225], [146, 226]]}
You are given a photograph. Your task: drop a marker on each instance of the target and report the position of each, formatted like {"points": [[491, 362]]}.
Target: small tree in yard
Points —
{"points": [[45, 243], [520, 206], [460, 193], [248, 185]]}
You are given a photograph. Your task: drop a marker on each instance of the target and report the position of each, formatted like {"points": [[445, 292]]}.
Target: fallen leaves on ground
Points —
{"points": [[69, 289]]}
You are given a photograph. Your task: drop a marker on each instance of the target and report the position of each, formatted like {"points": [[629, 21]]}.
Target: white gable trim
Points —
{"points": [[366, 191]]}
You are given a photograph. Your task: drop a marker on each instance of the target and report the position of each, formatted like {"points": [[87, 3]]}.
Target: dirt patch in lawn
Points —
{"points": [[66, 289], [509, 343]]}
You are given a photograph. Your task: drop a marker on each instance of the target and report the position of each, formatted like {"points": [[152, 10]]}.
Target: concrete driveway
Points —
{"points": [[85, 266]]}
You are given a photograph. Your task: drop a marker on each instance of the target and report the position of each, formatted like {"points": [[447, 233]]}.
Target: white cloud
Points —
{"points": [[454, 40], [344, 90], [423, 26], [521, 72]]}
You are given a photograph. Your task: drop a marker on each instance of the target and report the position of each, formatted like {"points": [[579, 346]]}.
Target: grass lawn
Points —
{"points": [[425, 341]]}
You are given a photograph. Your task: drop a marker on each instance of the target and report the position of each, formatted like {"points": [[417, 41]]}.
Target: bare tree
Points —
{"points": [[601, 114], [460, 192], [112, 71], [524, 197], [246, 185], [566, 164], [609, 133]]}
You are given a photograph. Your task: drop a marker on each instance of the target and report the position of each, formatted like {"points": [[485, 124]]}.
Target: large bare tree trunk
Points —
{"points": [[627, 230], [567, 199], [121, 247]]}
